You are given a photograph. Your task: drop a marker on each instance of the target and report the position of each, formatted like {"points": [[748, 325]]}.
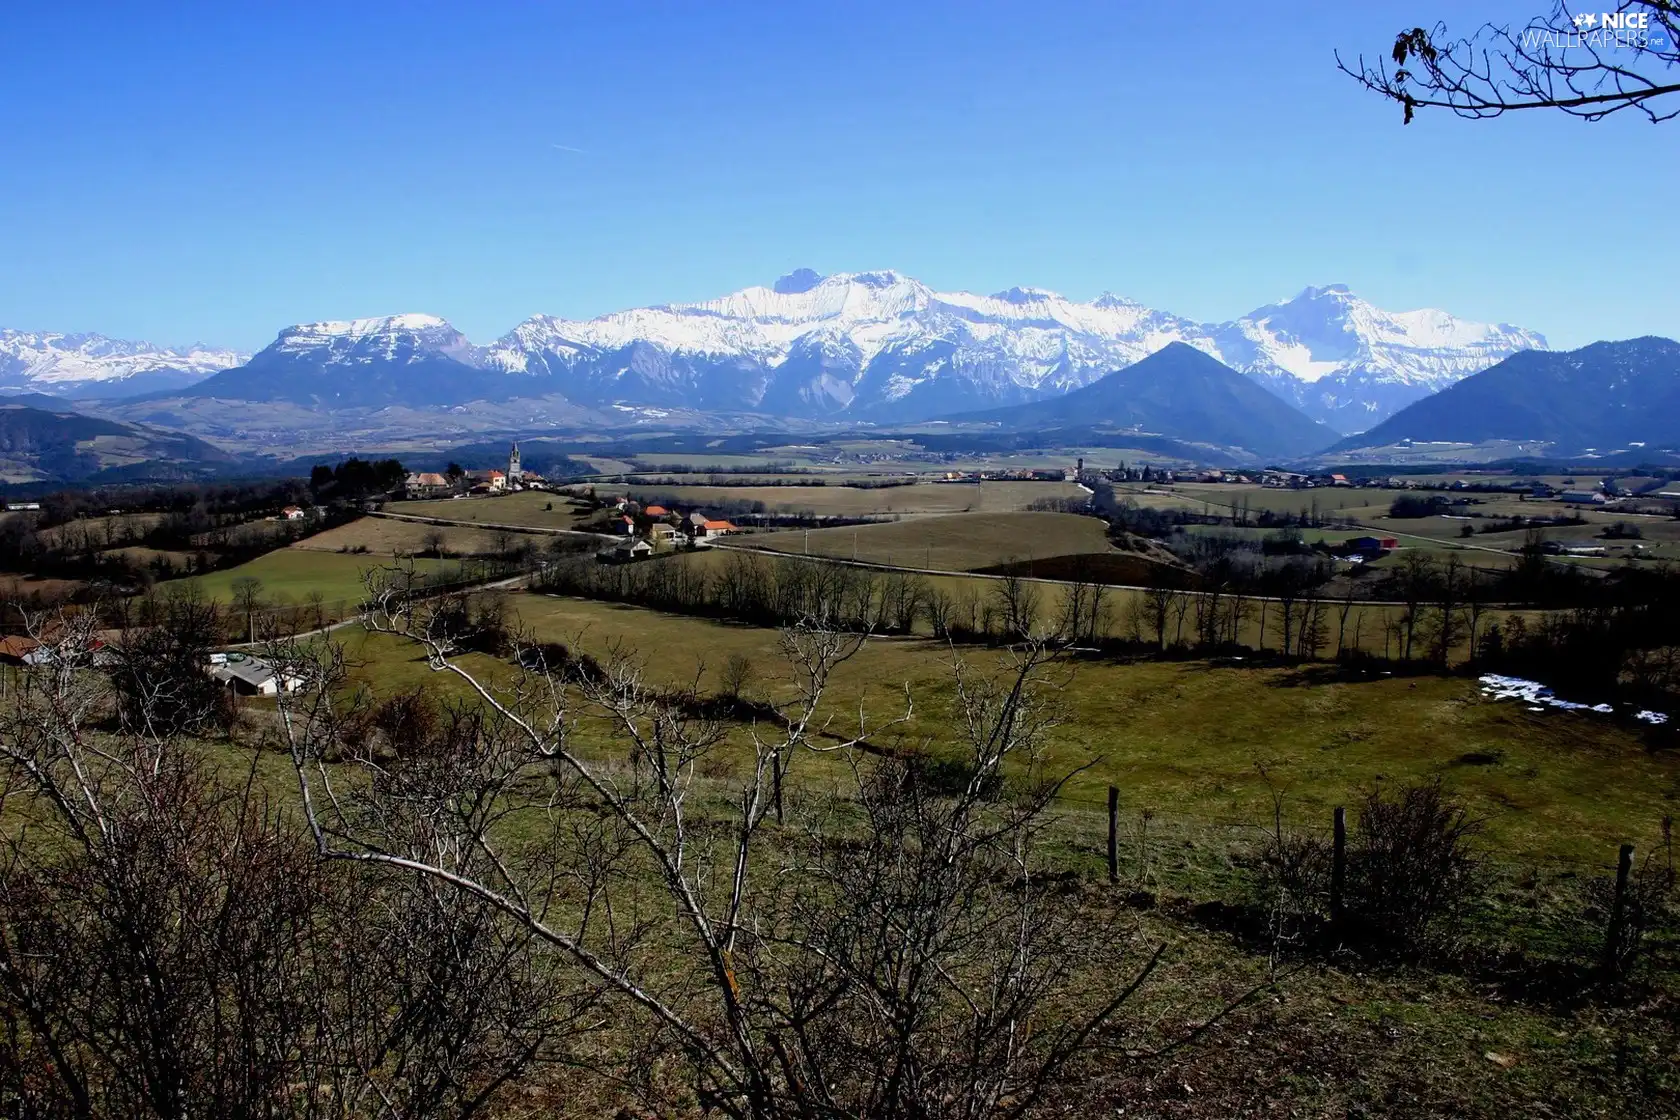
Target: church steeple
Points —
{"points": [[514, 473]]}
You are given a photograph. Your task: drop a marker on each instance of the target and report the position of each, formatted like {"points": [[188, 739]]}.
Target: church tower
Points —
{"points": [[514, 473]]}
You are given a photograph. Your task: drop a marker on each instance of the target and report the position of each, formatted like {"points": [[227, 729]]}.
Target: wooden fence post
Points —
{"points": [[1338, 867], [1618, 912], [776, 776], [1113, 834]]}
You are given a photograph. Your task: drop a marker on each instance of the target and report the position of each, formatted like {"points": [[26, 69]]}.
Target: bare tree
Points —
{"points": [[1450, 591], [1343, 609], [1018, 604], [1585, 63], [316, 600], [941, 608], [247, 596], [737, 674], [1156, 603]]}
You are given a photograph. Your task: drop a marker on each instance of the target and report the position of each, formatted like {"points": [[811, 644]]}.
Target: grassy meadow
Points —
{"points": [[854, 501], [294, 573], [953, 542], [1183, 739]]}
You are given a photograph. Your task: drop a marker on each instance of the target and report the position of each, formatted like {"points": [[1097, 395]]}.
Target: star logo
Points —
{"points": [[1585, 19]]}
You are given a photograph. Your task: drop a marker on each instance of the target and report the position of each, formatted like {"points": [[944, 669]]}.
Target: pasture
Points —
{"points": [[293, 574], [955, 542], [1186, 739], [853, 501]]}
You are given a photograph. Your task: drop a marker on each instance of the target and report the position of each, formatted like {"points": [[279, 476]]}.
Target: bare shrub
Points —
{"points": [[1411, 867]]}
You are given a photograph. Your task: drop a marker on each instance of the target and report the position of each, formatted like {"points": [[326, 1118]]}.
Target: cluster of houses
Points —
{"points": [[240, 673], [431, 484], [23, 649], [1016, 474], [654, 528]]}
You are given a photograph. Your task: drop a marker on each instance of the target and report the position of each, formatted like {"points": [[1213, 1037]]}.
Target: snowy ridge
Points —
{"points": [[68, 364], [389, 337], [821, 345], [882, 346]]}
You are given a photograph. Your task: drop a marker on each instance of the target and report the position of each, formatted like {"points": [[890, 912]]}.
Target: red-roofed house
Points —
{"points": [[657, 511]]}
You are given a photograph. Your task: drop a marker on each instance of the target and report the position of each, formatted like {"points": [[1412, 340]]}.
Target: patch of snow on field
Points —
{"points": [[1498, 687]]}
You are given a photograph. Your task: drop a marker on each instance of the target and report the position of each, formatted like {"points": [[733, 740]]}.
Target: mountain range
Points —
{"points": [[92, 366], [1603, 398], [874, 347]]}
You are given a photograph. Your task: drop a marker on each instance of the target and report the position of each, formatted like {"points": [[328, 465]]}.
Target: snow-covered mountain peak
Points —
{"points": [[884, 343], [799, 280], [878, 345], [408, 337], [1026, 295], [413, 322], [93, 365]]}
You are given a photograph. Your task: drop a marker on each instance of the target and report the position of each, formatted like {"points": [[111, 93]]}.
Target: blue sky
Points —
{"points": [[176, 172]]}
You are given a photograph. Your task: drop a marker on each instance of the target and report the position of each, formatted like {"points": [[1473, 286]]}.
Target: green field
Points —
{"points": [[956, 542], [291, 574], [1185, 739]]}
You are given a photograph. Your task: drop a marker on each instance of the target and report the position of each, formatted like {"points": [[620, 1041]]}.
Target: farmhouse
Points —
{"points": [[16, 648], [292, 513], [491, 480], [625, 551], [252, 676], [426, 482], [1371, 546], [657, 511], [712, 528]]}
